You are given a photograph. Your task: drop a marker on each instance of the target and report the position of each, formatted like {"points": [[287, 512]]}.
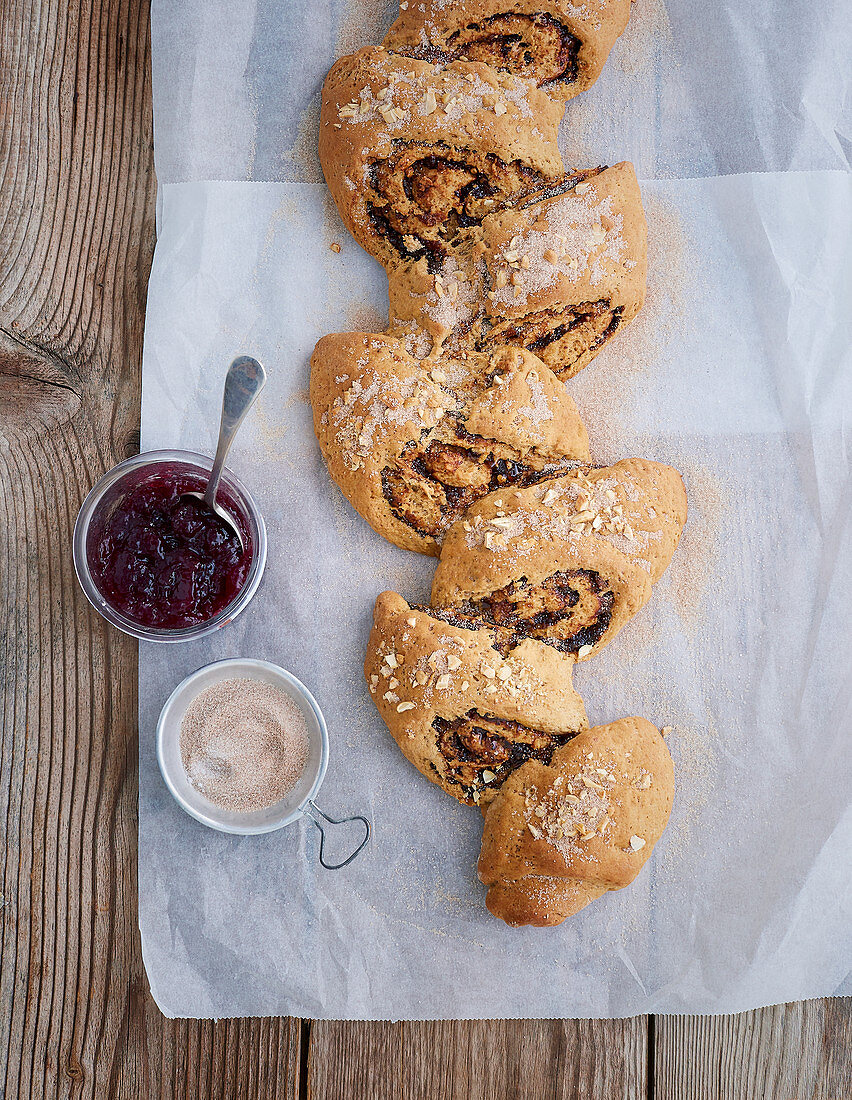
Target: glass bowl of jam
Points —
{"points": [[159, 566]]}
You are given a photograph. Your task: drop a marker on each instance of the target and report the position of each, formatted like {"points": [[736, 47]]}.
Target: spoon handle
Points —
{"points": [[243, 382]]}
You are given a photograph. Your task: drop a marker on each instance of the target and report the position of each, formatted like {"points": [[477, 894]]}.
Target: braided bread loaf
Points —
{"points": [[530, 581], [453, 435]]}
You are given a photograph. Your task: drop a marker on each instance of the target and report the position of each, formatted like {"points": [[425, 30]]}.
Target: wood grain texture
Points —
{"points": [[76, 1018], [76, 239], [800, 1051], [479, 1060]]}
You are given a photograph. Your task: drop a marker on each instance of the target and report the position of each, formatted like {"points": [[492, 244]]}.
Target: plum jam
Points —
{"points": [[164, 562]]}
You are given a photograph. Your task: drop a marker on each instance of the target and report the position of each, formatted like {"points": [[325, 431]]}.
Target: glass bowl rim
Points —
{"points": [[96, 598]]}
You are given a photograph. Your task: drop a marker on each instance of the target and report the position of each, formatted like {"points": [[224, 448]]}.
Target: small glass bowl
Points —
{"points": [[124, 477]]}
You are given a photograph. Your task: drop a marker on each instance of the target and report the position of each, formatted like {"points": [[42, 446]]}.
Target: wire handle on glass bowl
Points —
{"points": [[311, 805]]}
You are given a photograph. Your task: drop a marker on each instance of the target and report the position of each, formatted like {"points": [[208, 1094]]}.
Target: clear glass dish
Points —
{"points": [[112, 487]]}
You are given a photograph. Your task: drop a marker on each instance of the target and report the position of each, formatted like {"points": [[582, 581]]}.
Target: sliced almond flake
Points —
{"points": [[390, 697], [488, 776], [403, 707], [637, 843], [488, 672], [391, 660], [465, 685], [643, 782], [584, 650], [420, 677], [453, 662], [411, 621], [443, 682]]}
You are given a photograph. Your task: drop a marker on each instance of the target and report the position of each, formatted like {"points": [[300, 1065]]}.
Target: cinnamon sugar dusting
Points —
{"points": [[243, 744]]}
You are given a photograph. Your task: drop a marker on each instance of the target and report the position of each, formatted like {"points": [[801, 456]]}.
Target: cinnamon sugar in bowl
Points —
{"points": [[242, 746]]}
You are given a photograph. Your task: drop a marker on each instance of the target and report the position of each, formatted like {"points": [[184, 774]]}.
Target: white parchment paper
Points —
{"points": [[737, 372]]}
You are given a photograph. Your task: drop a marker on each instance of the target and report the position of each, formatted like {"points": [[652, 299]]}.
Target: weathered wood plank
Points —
{"points": [[76, 237], [800, 1051], [479, 1060]]}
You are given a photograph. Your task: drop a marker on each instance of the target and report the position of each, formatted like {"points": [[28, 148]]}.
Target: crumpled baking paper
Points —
{"points": [[738, 371]]}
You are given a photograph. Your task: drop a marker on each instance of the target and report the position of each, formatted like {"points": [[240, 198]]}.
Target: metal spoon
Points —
{"points": [[243, 382]]}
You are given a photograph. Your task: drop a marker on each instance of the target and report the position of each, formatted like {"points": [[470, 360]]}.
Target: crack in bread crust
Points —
{"points": [[567, 610], [564, 341], [428, 489], [475, 743], [429, 192], [534, 46]]}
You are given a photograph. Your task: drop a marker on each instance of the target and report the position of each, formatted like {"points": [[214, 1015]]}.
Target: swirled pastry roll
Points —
{"points": [[557, 273], [560, 46], [560, 834], [467, 703], [413, 445], [568, 561], [414, 153]]}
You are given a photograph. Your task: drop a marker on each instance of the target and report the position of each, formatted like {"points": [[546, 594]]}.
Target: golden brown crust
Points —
{"points": [[557, 273], [424, 146], [425, 672], [558, 835], [580, 272], [559, 45], [620, 522], [413, 445], [506, 276]]}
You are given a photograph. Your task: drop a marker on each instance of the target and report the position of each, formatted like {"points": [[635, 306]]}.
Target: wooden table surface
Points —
{"points": [[77, 193]]}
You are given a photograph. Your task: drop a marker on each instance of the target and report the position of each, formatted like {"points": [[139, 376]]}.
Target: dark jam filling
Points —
{"points": [[477, 743], [423, 490], [425, 194], [534, 46], [168, 563], [567, 610]]}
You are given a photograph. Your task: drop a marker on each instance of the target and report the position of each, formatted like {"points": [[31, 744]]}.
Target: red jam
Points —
{"points": [[164, 562]]}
